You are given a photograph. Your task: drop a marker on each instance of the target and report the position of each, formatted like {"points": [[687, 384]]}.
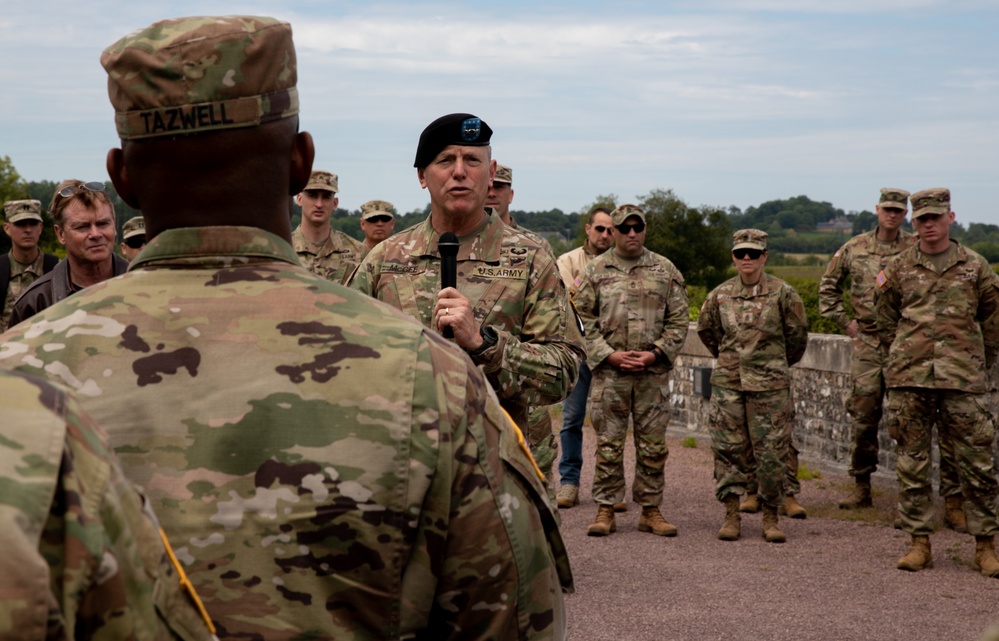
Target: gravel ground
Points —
{"points": [[835, 578]]}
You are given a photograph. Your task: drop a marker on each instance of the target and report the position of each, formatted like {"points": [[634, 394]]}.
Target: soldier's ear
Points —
{"points": [[303, 152], [119, 177]]}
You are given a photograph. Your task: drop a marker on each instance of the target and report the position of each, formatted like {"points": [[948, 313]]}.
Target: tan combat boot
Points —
{"points": [[919, 555], [652, 521], [621, 507], [604, 523], [792, 508], [861, 496], [954, 514], [733, 522], [568, 496], [771, 532], [985, 557], [750, 504]]}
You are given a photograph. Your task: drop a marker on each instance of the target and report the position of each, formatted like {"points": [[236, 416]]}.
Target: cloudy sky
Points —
{"points": [[727, 102]]}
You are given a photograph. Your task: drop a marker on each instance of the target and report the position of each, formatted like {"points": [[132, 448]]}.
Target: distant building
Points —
{"points": [[838, 224]]}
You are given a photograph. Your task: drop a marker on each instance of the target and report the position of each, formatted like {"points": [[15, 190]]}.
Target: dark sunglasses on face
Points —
{"points": [[135, 242], [624, 229], [600, 229], [742, 254], [379, 219], [72, 190]]}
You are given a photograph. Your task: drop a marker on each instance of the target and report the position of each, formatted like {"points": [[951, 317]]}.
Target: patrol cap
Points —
{"points": [[452, 129], [134, 226], [199, 74], [619, 215], [749, 239], [323, 180], [930, 201], [376, 208], [891, 197], [15, 210], [503, 175]]}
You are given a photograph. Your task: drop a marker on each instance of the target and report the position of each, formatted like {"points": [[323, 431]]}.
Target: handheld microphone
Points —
{"points": [[447, 246]]}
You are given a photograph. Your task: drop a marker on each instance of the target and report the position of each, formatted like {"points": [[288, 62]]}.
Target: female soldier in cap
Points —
{"points": [[755, 325]]}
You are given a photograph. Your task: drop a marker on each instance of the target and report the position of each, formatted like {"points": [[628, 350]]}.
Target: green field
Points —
{"points": [[798, 272]]}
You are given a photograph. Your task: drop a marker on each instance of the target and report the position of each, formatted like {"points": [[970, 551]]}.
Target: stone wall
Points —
{"points": [[820, 388]]}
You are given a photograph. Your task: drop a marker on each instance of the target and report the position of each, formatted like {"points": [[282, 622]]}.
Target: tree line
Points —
{"points": [[696, 239]]}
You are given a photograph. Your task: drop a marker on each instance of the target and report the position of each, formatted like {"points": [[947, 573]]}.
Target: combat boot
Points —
{"points": [[919, 555], [604, 523], [771, 532], [861, 496], [985, 557], [733, 522], [954, 514], [750, 504], [792, 508], [652, 521], [621, 507], [568, 496]]}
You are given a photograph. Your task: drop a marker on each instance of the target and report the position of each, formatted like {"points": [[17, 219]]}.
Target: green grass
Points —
{"points": [[807, 474]]}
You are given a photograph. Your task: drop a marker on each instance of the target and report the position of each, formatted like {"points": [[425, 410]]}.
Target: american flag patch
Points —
{"points": [[882, 279]]}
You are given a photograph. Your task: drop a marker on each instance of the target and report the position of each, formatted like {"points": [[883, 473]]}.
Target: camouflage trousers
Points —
{"points": [[865, 408], [962, 418], [543, 444], [751, 439], [614, 397]]}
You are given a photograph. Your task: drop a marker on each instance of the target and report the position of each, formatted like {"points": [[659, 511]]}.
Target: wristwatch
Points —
{"points": [[489, 339]]}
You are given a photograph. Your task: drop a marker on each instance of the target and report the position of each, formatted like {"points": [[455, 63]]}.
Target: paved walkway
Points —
{"points": [[834, 579]]}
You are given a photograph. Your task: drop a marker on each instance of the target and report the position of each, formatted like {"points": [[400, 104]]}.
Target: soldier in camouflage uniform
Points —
{"points": [[861, 259], [755, 325], [324, 251], [25, 262], [82, 558], [377, 223], [544, 446], [938, 311], [133, 237], [510, 311], [571, 264], [325, 467], [634, 305]]}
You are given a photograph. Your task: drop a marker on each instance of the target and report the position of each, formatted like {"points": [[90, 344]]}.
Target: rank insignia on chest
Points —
{"points": [[882, 279]]}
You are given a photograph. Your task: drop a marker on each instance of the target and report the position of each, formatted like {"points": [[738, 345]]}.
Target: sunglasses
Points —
{"points": [[600, 229], [742, 254], [379, 219], [625, 229], [72, 190], [135, 242]]}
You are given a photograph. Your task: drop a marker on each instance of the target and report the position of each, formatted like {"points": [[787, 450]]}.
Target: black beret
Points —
{"points": [[452, 129]]}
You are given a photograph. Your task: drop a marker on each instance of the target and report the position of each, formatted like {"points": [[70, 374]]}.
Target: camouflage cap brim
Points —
{"points": [[18, 210]]}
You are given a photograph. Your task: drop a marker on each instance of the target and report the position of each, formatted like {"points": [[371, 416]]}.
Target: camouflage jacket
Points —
{"points": [[513, 286], [336, 259], [756, 333], [943, 329], [82, 558], [861, 259], [571, 265], [15, 278], [637, 309], [324, 467]]}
